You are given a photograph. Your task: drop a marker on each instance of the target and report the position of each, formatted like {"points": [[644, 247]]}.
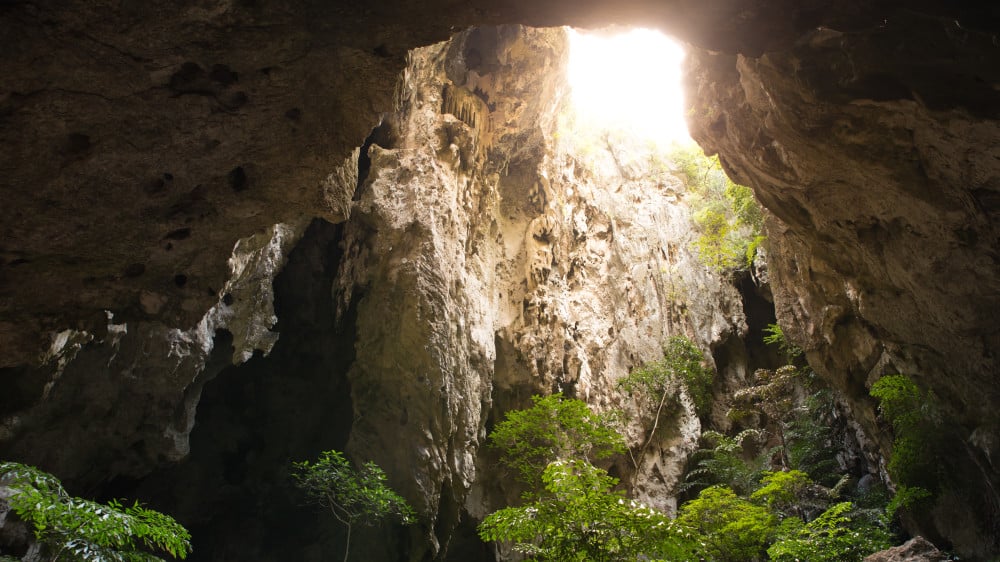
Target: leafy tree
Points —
{"points": [[579, 517], [727, 216], [731, 528], [657, 383], [682, 363], [832, 537], [555, 428], [352, 496], [80, 530], [773, 394]]}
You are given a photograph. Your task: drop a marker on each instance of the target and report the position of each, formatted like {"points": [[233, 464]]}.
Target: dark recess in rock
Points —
{"points": [[383, 136], [76, 144], [178, 234], [223, 75], [237, 178], [255, 419], [135, 269]]}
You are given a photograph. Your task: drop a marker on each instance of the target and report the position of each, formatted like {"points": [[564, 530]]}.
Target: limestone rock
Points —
{"points": [[137, 385], [882, 180], [487, 261], [917, 549]]}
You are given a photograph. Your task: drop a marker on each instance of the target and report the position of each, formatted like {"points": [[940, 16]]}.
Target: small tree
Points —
{"points": [[919, 443], [555, 428], [352, 496], [580, 518], [79, 530], [834, 536], [731, 528], [657, 382]]}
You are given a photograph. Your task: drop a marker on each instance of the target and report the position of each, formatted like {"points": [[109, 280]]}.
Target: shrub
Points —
{"points": [[728, 217], [831, 537], [682, 363], [723, 460], [917, 445], [352, 496], [555, 428], [781, 491], [75, 529], [579, 517], [776, 336], [730, 528], [809, 440]]}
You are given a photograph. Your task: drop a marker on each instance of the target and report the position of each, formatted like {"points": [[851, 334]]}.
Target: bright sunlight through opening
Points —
{"points": [[629, 81]]}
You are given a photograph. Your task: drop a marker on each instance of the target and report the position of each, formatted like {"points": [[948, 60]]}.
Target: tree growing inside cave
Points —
{"points": [[74, 529], [353, 496], [554, 428], [580, 517], [729, 219], [572, 511]]}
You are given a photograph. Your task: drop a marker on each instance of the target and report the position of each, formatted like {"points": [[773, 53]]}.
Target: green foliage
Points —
{"points": [[555, 428], [781, 491], [908, 498], [727, 215], [901, 401], [776, 336], [832, 537], [723, 460], [352, 496], [744, 206], [730, 528], [75, 529], [579, 517], [682, 363], [918, 439], [809, 440], [772, 394]]}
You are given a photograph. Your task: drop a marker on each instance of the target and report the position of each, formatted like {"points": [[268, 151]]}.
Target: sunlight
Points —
{"points": [[629, 81]]}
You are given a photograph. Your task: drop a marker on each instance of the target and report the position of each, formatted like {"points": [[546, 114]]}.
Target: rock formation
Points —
{"points": [[882, 181], [159, 163], [487, 262]]}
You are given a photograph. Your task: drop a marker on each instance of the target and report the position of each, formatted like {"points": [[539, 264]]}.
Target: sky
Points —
{"points": [[630, 81]]}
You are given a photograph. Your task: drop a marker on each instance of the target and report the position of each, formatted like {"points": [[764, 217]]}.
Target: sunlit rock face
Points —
{"points": [[877, 154], [488, 261], [140, 143]]}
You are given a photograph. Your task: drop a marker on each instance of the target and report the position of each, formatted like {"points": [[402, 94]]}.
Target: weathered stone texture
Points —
{"points": [[877, 159], [488, 263]]}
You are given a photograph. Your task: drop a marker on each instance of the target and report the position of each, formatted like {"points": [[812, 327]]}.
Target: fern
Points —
{"points": [[723, 461]]}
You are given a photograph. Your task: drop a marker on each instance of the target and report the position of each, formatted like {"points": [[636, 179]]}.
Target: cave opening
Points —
{"points": [[628, 80], [855, 121]]}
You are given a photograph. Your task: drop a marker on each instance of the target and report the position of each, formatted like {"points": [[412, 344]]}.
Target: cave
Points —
{"points": [[238, 233]]}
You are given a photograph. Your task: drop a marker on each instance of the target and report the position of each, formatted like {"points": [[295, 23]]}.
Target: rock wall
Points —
{"points": [[876, 153], [488, 261], [133, 387], [141, 142]]}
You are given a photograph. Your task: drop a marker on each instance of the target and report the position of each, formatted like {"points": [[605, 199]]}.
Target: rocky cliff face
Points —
{"points": [[142, 144], [882, 178], [488, 262], [492, 253]]}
